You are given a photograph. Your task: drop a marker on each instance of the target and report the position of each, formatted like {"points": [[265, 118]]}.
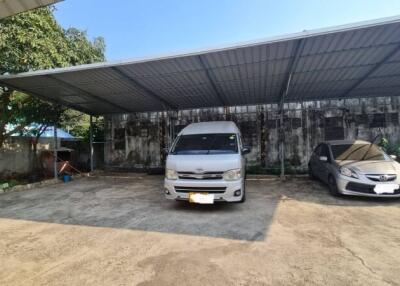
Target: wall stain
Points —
{"points": [[306, 124]]}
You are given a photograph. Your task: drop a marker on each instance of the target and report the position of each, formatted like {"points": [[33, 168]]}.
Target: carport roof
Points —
{"points": [[348, 61], [12, 7]]}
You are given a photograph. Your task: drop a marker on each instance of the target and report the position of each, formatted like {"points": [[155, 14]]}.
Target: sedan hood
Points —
{"points": [[372, 167], [203, 163]]}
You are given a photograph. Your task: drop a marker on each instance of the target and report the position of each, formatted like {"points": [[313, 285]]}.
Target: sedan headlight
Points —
{"points": [[171, 174], [348, 172], [232, 175]]}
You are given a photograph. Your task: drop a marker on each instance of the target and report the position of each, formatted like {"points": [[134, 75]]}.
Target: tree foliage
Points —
{"points": [[30, 41], [78, 124]]}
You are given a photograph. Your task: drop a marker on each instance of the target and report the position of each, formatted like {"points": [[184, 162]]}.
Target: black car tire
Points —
{"points": [[311, 173], [333, 189]]}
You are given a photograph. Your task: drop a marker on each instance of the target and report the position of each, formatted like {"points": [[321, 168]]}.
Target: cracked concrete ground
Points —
{"points": [[119, 230]]}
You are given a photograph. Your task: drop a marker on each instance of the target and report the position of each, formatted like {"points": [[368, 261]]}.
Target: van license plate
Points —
{"points": [[202, 198]]}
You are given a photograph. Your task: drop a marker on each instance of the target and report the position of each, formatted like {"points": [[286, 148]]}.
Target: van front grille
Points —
{"points": [[211, 190], [200, 176]]}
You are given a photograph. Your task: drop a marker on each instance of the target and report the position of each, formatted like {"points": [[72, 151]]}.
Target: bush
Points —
{"points": [[276, 170], [390, 148]]}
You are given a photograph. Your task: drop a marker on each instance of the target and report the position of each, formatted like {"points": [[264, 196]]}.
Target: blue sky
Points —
{"points": [[139, 28]]}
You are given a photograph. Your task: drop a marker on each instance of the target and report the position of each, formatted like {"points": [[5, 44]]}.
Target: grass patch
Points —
{"points": [[275, 170], [6, 184]]}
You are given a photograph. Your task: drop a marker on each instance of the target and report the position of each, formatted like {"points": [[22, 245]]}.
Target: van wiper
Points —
{"points": [[211, 145]]}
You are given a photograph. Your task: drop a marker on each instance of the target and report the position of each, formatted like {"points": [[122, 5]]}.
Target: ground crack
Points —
{"points": [[359, 258]]}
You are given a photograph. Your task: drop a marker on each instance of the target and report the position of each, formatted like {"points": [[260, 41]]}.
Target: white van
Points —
{"points": [[206, 164]]}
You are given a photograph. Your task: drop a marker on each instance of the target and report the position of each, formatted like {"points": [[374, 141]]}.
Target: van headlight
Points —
{"points": [[232, 175], [171, 174], [348, 172]]}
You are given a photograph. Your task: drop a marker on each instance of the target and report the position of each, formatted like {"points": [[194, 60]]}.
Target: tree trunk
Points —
{"points": [[5, 97], [36, 163], [2, 139]]}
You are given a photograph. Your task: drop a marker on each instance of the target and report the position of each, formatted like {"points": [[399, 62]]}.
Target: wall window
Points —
{"points": [[334, 128], [119, 139], [378, 120]]}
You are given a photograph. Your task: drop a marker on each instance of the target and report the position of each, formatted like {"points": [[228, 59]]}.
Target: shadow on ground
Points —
{"points": [[315, 191], [137, 203]]}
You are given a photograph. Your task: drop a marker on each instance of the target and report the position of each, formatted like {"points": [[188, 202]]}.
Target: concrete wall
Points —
{"points": [[137, 140], [16, 156]]}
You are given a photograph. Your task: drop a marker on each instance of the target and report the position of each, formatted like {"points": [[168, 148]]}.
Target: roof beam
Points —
{"points": [[141, 86], [210, 79], [373, 69], [81, 91], [289, 71], [74, 106]]}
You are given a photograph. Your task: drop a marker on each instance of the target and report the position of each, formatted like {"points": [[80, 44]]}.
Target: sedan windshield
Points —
{"points": [[200, 144], [358, 152]]}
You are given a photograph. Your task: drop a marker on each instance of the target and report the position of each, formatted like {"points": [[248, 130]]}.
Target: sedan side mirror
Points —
{"points": [[246, 150], [323, 159], [394, 157]]}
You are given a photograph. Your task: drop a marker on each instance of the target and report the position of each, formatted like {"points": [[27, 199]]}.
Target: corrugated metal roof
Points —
{"points": [[12, 7], [358, 60]]}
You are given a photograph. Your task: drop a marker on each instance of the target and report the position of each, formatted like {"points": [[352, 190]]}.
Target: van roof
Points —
{"points": [[210, 127]]}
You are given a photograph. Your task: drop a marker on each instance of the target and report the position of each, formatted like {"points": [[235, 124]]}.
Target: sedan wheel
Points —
{"points": [[333, 189], [311, 173]]}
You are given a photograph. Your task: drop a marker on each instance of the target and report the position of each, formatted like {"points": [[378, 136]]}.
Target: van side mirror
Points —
{"points": [[394, 157], [323, 158], [246, 150]]}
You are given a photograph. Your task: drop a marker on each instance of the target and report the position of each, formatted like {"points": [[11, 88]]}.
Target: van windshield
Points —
{"points": [[205, 144]]}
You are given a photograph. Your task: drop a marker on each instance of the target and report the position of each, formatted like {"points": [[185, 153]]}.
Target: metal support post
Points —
{"points": [[91, 144], [282, 145], [55, 151]]}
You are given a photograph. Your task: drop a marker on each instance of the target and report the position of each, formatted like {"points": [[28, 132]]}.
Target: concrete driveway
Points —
{"points": [[119, 230]]}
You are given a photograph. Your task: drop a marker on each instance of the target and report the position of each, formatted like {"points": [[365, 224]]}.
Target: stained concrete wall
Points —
{"points": [[136, 141], [16, 156]]}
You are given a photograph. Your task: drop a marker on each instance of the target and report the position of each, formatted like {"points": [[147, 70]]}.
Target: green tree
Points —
{"points": [[78, 124], [32, 41]]}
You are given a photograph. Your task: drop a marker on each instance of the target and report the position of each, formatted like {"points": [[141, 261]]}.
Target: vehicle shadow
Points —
{"points": [[139, 204], [317, 192]]}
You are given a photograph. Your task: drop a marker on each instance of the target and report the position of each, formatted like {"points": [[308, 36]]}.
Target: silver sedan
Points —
{"points": [[355, 168]]}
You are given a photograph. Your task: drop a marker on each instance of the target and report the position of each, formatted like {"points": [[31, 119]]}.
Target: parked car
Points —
{"points": [[355, 168], [206, 164]]}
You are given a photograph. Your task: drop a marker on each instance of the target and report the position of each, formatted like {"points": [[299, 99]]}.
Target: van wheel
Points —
{"points": [[333, 190]]}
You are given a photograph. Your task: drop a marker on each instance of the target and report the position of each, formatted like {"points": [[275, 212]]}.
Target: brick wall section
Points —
{"points": [[136, 141]]}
